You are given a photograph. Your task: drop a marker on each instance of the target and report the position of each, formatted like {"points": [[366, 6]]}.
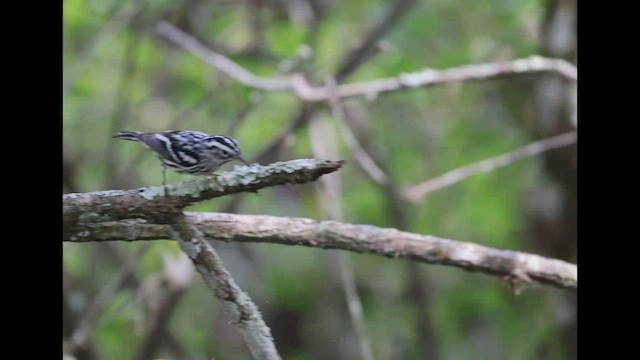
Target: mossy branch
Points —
{"points": [[151, 203], [237, 304]]}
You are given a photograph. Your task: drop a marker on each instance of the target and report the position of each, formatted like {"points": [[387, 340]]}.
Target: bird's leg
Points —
{"points": [[164, 180], [213, 176]]}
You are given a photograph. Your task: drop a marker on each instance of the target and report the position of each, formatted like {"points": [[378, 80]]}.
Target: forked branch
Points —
{"points": [[239, 307]]}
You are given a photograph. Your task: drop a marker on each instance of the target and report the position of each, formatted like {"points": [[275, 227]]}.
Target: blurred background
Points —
{"points": [[141, 300]]}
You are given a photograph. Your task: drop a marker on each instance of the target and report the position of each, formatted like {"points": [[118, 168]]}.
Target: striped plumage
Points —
{"points": [[188, 152]]}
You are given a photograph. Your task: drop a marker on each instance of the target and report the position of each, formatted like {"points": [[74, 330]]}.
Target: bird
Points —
{"points": [[186, 151]]}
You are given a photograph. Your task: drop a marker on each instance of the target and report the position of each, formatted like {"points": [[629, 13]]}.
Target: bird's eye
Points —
{"points": [[225, 153]]}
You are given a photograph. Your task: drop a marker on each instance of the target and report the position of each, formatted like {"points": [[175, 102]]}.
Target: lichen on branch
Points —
{"points": [[151, 203], [370, 239]]}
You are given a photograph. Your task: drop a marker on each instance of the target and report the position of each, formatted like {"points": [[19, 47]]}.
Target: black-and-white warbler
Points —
{"points": [[187, 152]]}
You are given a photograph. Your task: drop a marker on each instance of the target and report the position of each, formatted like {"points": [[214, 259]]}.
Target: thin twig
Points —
{"points": [[354, 305], [387, 242], [473, 72], [430, 77], [418, 192], [363, 159], [219, 61], [239, 307]]}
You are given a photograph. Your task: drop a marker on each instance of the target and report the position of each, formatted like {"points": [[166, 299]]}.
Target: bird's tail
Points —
{"points": [[128, 135]]}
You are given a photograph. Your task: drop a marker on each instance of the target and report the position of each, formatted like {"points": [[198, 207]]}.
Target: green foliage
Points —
{"points": [[127, 318], [418, 133], [284, 38], [194, 79], [290, 288], [367, 202]]}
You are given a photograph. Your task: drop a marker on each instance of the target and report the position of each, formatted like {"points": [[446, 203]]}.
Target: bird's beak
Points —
{"points": [[243, 160]]}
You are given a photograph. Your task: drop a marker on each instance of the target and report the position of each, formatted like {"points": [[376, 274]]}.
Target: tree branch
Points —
{"points": [[219, 61], [418, 192], [334, 235], [150, 203], [243, 312], [429, 77], [369, 89], [362, 157]]}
